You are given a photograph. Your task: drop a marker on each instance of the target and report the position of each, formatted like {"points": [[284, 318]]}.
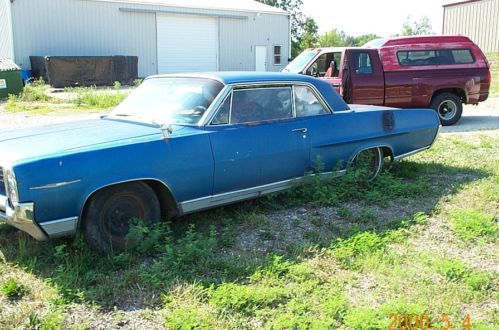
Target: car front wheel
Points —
{"points": [[107, 218]]}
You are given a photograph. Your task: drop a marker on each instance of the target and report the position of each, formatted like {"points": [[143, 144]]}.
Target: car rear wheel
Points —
{"points": [[367, 164], [448, 107], [107, 218]]}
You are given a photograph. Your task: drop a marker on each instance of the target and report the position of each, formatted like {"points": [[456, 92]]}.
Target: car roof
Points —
{"points": [[250, 77], [239, 77]]}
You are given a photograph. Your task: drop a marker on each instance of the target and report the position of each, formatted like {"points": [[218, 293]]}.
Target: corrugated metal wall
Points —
{"points": [[478, 20], [5, 30], [82, 27]]}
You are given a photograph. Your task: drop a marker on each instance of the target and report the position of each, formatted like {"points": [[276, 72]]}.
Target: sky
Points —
{"points": [[382, 17]]}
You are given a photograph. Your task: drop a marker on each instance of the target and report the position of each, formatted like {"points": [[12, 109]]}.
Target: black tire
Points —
{"points": [[367, 164], [448, 107], [107, 216]]}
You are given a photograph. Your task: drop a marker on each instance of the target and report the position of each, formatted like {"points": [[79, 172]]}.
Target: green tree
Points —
{"points": [[417, 27], [361, 40], [299, 28], [333, 38], [310, 35]]}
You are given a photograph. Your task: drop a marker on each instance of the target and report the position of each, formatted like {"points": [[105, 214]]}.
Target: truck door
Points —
{"points": [[363, 78]]}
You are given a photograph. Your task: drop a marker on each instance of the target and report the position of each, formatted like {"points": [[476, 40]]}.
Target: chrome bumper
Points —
{"points": [[21, 216]]}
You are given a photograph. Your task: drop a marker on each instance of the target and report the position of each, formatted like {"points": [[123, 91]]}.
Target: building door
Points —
{"points": [[260, 58], [186, 44]]}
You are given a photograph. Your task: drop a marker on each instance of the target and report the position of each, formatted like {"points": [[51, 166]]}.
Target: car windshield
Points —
{"points": [[170, 100], [299, 63]]}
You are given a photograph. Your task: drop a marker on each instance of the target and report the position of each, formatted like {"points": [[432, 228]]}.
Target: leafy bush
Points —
{"points": [[246, 299], [89, 97], [12, 289], [361, 244], [34, 92], [457, 271], [190, 256], [471, 225]]}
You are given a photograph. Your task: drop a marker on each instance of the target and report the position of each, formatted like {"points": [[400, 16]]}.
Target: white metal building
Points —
{"points": [[166, 35], [476, 19]]}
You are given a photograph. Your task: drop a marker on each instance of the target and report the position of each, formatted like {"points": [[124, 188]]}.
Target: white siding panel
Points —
{"points": [[187, 44], [86, 27], [6, 50], [477, 20], [239, 38], [82, 28]]}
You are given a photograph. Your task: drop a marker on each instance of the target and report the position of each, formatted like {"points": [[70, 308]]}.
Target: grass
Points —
{"points": [[35, 99], [13, 289], [417, 245], [471, 225]]}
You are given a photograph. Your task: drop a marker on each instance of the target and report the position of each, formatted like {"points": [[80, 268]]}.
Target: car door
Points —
{"points": [[326, 150], [256, 139]]}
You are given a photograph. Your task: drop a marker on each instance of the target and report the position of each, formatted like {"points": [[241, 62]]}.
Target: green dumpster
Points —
{"points": [[10, 78]]}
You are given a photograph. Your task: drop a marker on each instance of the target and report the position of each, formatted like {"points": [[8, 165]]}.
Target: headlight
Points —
{"points": [[11, 185]]}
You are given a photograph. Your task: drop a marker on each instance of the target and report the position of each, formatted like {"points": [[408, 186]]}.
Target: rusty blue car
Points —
{"points": [[188, 142]]}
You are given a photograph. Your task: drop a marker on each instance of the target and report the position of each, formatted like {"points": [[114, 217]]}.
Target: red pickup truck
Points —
{"points": [[439, 72]]}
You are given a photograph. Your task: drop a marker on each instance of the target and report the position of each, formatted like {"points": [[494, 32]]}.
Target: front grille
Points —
{"points": [[2, 183]]}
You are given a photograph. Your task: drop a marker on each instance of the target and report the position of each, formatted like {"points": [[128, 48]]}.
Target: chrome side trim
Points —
{"points": [[61, 227], [436, 135], [55, 185], [208, 202], [3, 203], [399, 157]]}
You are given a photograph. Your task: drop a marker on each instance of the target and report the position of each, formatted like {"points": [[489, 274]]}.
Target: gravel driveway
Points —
{"points": [[10, 120], [485, 116]]}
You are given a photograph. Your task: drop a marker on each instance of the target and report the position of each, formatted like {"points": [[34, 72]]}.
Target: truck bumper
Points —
{"points": [[21, 216]]}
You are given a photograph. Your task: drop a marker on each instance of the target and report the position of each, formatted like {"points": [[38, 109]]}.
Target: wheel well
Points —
{"points": [[457, 91], [169, 208], [387, 152]]}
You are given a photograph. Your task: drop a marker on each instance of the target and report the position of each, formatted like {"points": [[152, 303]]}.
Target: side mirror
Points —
{"points": [[314, 72]]}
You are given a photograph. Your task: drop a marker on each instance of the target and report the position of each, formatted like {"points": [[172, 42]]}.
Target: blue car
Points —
{"points": [[184, 143]]}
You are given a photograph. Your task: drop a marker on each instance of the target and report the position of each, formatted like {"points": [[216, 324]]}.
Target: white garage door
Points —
{"points": [[187, 44]]}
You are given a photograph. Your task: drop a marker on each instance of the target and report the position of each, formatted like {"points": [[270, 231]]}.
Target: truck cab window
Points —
{"points": [[362, 63], [318, 68]]}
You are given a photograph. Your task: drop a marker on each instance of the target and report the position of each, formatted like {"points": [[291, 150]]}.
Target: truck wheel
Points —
{"points": [[367, 164], [449, 108], [107, 217]]}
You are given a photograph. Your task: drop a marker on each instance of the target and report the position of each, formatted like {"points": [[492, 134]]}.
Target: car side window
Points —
{"points": [[222, 116], [362, 63], [261, 104], [306, 103]]}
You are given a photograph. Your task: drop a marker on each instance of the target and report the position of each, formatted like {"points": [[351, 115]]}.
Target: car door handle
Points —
{"points": [[303, 130]]}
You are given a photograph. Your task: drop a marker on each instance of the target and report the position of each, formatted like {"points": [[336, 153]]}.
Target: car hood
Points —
{"points": [[45, 141]]}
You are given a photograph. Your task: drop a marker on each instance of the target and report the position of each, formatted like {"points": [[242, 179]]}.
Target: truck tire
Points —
{"points": [[448, 107], [107, 217]]}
